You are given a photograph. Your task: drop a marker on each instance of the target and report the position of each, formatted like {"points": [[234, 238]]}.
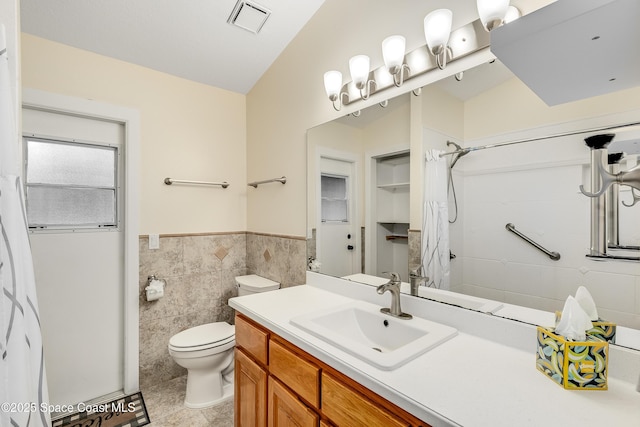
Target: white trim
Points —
{"points": [[130, 118]]}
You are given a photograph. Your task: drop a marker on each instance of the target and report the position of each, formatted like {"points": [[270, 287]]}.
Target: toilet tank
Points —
{"points": [[253, 284]]}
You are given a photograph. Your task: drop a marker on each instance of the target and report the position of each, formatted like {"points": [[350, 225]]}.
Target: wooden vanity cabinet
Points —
{"points": [[277, 384]]}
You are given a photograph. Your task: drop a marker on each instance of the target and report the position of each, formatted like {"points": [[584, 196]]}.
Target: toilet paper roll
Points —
{"points": [[155, 290]]}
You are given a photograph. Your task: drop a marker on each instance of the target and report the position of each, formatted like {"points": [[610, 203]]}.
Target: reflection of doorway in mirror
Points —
{"points": [[337, 233]]}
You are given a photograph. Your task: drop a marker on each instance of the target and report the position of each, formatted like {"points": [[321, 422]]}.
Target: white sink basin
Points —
{"points": [[376, 338]]}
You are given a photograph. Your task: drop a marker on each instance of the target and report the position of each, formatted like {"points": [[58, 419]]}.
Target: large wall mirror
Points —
{"points": [[368, 182]]}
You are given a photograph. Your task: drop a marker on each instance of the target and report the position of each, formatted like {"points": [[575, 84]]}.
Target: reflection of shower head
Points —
{"points": [[461, 152]]}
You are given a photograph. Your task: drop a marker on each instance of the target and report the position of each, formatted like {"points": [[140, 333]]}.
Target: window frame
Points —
{"points": [[346, 199], [117, 169]]}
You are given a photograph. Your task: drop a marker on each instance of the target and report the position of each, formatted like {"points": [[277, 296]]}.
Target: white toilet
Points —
{"points": [[206, 351]]}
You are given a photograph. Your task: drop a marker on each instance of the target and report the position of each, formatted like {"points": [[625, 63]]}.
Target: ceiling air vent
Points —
{"points": [[249, 16]]}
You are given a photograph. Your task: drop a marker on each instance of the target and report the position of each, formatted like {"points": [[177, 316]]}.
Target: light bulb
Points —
{"points": [[333, 84], [359, 68], [512, 14], [393, 48], [492, 12], [437, 28]]}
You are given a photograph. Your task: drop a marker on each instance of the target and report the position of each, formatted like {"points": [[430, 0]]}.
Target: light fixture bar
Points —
{"points": [[463, 41]]}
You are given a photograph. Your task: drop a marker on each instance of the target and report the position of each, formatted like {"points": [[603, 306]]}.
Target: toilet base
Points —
{"points": [[227, 394], [207, 390]]}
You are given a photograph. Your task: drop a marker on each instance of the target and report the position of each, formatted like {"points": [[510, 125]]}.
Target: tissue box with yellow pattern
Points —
{"points": [[601, 329], [575, 365]]}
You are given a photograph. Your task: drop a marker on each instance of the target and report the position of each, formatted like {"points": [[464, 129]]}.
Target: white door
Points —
{"points": [[338, 232], [79, 268]]}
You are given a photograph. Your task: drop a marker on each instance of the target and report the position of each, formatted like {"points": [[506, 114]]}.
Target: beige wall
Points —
{"points": [[189, 131], [512, 106], [443, 112]]}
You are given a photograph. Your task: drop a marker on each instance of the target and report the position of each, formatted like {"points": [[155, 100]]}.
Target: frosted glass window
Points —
{"points": [[334, 199], [70, 206], [70, 164], [70, 184]]}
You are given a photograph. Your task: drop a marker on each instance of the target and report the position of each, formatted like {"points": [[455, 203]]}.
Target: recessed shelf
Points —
{"points": [[396, 237], [394, 186]]}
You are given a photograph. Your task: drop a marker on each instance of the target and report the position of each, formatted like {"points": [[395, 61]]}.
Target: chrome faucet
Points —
{"points": [[415, 280], [393, 286]]}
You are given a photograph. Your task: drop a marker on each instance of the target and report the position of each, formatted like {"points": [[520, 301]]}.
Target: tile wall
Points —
{"points": [[279, 258], [200, 271], [543, 203]]}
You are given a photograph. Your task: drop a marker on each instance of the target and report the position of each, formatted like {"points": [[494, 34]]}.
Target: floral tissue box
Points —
{"points": [[575, 365]]}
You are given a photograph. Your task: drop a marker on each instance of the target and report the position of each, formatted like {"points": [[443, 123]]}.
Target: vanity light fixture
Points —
{"points": [[393, 49], [333, 86], [492, 12], [359, 69], [437, 29], [400, 66]]}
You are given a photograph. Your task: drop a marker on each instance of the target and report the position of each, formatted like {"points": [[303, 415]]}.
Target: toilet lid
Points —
{"points": [[210, 333], [255, 283]]}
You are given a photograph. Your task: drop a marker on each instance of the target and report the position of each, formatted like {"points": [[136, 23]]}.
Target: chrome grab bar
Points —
{"points": [[170, 181], [553, 255], [282, 180]]}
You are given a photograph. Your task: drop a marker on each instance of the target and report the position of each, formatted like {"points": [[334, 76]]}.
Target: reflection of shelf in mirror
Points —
{"points": [[394, 186], [397, 237]]}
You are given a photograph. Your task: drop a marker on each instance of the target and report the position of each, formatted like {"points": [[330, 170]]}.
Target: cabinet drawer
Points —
{"points": [[252, 339], [298, 374], [346, 407]]}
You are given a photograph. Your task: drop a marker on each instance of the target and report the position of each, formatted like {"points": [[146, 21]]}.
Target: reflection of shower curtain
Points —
{"points": [[22, 376], [435, 221]]}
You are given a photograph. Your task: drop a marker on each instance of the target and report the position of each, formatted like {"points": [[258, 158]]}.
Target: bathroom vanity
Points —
{"points": [[485, 375], [275, 380]]}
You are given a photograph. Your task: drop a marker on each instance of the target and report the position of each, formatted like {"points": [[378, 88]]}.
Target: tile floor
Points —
{"points": [[164, 403]]}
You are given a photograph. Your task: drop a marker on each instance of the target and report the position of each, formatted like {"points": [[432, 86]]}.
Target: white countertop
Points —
{"points": [[469, 380]]}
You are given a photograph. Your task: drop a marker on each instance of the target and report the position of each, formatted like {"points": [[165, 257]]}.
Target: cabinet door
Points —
{"points": [[250, 392], [346, 407], [285, 410]]}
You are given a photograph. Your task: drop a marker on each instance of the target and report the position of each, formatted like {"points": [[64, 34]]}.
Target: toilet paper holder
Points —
{"points": [[154, 288]]}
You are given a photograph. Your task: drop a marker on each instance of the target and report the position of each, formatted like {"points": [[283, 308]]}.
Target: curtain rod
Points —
{"points": [[520, 141]]}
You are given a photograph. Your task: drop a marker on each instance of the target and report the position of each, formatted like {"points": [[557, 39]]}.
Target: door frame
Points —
{"points": [[130, 119], [354, 159]]}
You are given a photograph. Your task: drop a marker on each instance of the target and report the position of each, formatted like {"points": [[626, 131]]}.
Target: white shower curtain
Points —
{"points": [[23, 386], [435, 221]]}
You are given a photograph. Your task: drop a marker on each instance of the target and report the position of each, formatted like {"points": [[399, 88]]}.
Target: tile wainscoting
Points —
{"points": [[199, 270]]}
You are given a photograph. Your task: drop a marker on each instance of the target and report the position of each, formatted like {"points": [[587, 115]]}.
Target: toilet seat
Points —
{"points": [[203, 337]]}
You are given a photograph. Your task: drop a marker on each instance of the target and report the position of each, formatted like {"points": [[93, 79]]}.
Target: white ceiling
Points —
{"points": [[192, 39], [189, 39]]}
